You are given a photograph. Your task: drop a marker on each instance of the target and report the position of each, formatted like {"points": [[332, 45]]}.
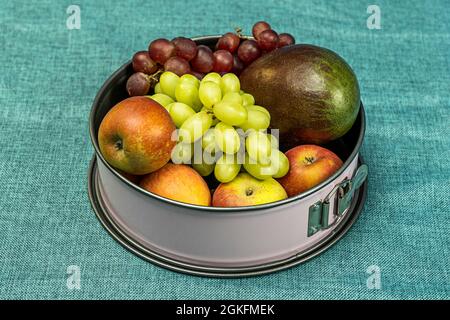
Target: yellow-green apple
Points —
{"points": [[135, 136], [246, 190], [309, 165], [178, 182]]}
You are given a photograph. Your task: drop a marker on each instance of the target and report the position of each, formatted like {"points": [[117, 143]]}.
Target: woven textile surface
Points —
{"points": [[49, 76]]}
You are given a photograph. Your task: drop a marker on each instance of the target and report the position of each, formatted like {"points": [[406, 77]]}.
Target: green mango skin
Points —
{"points": [[312, 94]]}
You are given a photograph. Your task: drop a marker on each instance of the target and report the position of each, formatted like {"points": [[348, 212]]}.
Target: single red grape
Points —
{"points": [[177, 65], [229, 41], [143, 63], [204, 61], [249, 51], [185, 48], [285, 39], [259, 27], [223, 61], [268, 40], [238, 65], [138, 84], [160, 50]]}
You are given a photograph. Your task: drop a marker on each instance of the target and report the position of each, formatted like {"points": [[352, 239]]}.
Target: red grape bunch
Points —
{"points": [[232, 53], [265, 40]]}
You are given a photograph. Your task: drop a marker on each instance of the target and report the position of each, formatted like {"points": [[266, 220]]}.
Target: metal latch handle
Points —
{"points": [[342, 194]]}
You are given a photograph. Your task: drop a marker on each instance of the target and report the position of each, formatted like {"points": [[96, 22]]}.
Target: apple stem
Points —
{"points": [[118, 144], [309, 159]]}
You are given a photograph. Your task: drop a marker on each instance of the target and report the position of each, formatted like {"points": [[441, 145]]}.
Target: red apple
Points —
{"points": [[178, 182], [309, 165], [135, 136], [246, 190]]}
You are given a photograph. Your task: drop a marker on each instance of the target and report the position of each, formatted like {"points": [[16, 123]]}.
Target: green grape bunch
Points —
{"points": [[220, 129]]}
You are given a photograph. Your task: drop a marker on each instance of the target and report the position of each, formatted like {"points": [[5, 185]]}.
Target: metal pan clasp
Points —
{"points": [[342, 196]]}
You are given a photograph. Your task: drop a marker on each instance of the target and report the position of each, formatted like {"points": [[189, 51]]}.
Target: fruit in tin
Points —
{"points": [[204, 60], [226, 168], [268, 40], [245, 190], [238, 65], [229, 42], [180, 112], [177, 65], [185, 48], [249, 51], [168, 83], [309, 165], [143, 63], [162, 99], [285, 39], [311, 93], [138, 84], [259, 27], [160, 50], [135, 136], [178, 182], [223, 61], [194, 127]]}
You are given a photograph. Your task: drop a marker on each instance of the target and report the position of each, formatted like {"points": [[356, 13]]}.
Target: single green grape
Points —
{"points": [[195, 127], [227, 139], [214, 77], [277, 167], [226, 168], [233, 97], [230, 112], [162, 99], [230, 83], [280, 162], [180, 112], [256, 120], [168, 82], [189, 78], [204, 169], [258, 170], [187, 93], [158, 88], [209, 93], [259, 108], [182, 153], [258, 147], [247, 99]]}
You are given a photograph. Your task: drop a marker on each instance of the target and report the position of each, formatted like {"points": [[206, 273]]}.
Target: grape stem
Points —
{"points": [[155, 76], [153, 79], [239, 32]]}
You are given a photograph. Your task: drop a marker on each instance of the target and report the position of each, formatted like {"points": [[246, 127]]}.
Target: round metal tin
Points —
{"points": [[223, 242]]}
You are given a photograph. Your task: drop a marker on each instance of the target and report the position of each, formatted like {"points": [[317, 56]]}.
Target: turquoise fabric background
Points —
{"points": [[49, 76]]}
